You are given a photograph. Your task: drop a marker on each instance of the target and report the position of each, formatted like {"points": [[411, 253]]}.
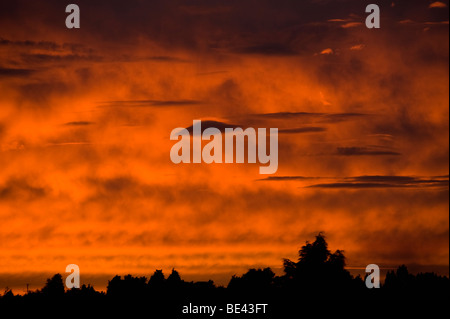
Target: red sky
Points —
{"points": [[86, 116]]}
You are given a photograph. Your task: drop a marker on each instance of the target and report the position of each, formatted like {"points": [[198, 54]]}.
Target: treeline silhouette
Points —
{"points": [[318, 274]]}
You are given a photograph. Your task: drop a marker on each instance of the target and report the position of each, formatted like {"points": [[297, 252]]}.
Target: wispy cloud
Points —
{"points": [[286, 178], [438, 4], [302, 130], [151, 103], [21, 189], [365, 151], [269, 49], [8, 72], [314, 117], [387, 182], [59, 58], [79, 123], [362, 182], [221, 126]]}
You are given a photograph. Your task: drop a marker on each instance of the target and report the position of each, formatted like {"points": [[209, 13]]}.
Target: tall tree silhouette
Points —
{"points": [[174, 277], [317, 269], [54, 288], [174, 282]]}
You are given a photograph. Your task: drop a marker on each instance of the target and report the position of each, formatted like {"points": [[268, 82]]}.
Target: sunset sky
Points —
{"points": [[86, 116]]}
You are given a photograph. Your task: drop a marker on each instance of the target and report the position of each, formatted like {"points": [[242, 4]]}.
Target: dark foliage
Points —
{"points": [[318, 274]]}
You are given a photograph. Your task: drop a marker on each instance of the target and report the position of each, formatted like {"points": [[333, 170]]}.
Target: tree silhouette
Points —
{"points": [[54, 288], [84, 293], [174, 277], [255, 281], [8, 295], [128, 288], [401, 284], [317, 270], [317, 274], [401, 279], [157, 280]]}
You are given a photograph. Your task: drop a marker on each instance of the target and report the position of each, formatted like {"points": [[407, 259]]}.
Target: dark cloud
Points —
{"points": [[79, 123], [166, 58], [46, 45], [340, 117], [6, 72], [119, 184], [389, 179], [302, 130], [365, 151], [286, 178], [205, 9], [55, 58], [2, 129], [211, 73], [387, 182], [54, 52], [41, 92], [313, 117], [22, 189], [289, 115], [381, 243], [356, 185], [267, 27], [377, 181], [152, 103], [221, 126], [270, 49]]}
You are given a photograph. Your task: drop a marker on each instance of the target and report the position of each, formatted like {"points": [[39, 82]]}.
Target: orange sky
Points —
{"points": [[86, 116]]}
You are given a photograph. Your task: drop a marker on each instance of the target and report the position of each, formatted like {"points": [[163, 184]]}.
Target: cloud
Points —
{"points": [[165, 58], [313, 117], [151, 103], [364, 151], [40, 93], [387, 182], [79, 123], [270, 49], [438, 4], [45, 45], [221, 126], [21, 189], [7, 72], [338, 20], [352, 25], [302, 130], [444, 23], [289, 115], [205, 9], [117, 184], [341, 117], [357, 47], [362, 182], [59, 58], [286, 178], [327, 52]]}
